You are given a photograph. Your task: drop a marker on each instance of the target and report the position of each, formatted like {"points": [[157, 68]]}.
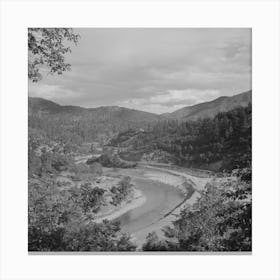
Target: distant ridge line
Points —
{"points": [[185, 112]]}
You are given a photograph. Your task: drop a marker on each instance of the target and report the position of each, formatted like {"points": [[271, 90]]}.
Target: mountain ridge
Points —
{"points": [[200, 110], [78, 124], [211, 108], [45, 106]]}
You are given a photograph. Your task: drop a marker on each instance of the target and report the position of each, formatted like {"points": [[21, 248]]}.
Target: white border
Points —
{"points": [[262, 16]]}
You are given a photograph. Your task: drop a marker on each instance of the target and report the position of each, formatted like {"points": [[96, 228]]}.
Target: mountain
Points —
{"points": [[43, 106], [219, 143], [38, 105], [211, 108], [202, 110], [78, 125]]}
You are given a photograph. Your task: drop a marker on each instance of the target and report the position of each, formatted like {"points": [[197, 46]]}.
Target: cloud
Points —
{"points": [[170, 101], [188, 95], [149, 107], [52, 92], [152, 69]]}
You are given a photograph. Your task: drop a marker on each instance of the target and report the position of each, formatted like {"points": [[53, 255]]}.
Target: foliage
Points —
{"points": [[158, 156], [62, 218], [112, 160], [91, 198], [44, 158], [220, 220], [121, 191], [221, 143], [49, 211], [78, 128], [63, 221], [97, 237], [46, 47], [153, 243]]}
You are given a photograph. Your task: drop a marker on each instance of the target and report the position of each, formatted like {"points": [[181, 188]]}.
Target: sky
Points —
{"points": [[151, 69]]}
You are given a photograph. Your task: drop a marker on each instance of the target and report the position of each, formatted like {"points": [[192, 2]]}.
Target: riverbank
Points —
{"points": [[167, 191], [177, 178], [107, 211], [137, 200]]}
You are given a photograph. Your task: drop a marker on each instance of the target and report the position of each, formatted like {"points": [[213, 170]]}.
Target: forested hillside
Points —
{"points": [[223, 142], [77, 125], [63, 211], [65, 197], [212, 108], [172, 174], [220, 220]]}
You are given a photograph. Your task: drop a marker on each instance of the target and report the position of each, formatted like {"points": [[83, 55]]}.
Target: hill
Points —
{"points": [[78, 125], [43, 106], [219, 143], [212, 108]]}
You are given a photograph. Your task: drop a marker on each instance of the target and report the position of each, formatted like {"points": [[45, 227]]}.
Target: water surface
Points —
{"points": [[160, 199]]}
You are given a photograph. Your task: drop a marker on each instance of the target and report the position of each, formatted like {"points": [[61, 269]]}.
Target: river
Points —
{"points": [[159, 186], [161, 194]]}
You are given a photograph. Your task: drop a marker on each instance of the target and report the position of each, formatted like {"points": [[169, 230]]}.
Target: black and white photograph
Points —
{"points": [[139, 140]]}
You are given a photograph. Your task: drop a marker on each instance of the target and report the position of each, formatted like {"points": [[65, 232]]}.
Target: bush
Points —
{"points": [[122, 191], [153, 243], [91, 199], [97, 237], [57, 220], [220, 220]]}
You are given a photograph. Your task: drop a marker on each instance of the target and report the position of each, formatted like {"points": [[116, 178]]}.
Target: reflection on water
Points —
{"points": [[161, 198]]}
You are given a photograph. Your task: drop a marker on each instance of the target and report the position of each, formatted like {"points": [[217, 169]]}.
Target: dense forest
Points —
{"points": [[220, 220], [70, 193], [77, 125], [62, 219], [77, 130], [221, 143]]}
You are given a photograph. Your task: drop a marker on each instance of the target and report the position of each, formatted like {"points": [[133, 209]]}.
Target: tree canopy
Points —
{"points": [[47, 47], [220, 220]]}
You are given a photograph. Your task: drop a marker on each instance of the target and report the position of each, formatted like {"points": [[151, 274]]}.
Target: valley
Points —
{"points": [[116, 179], [166, 193], [160, 191]]}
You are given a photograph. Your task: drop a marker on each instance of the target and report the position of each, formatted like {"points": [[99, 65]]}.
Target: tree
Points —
{"points": [[122, 191], [46, 47], [153, 243], [90, 236], [221, 143], [221, 220], [57, 221], [49, 212], [91, 198]]}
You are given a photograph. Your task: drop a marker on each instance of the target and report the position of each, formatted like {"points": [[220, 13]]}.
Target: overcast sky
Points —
{"points": [[155, 70]]}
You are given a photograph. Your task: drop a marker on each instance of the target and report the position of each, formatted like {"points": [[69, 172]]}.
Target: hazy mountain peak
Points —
{"points": [[201, 110], [211, 108]]}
